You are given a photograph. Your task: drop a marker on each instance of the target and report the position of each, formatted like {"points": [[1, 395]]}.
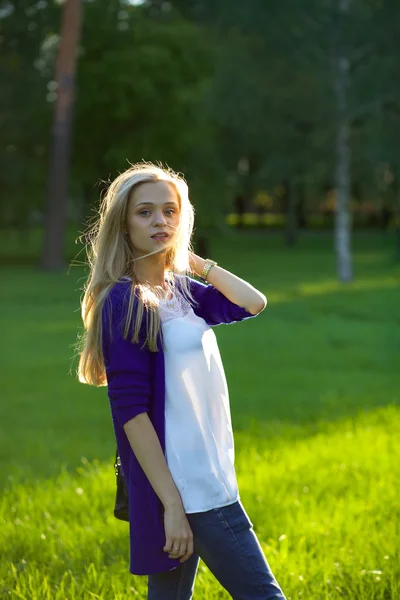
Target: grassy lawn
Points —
{"points": [[314, 390]]}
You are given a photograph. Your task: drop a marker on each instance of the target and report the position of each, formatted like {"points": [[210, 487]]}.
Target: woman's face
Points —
{"points": [[153, 216]]}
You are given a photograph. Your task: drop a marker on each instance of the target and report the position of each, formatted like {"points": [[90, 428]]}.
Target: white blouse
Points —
{"points": [[199, 441]]}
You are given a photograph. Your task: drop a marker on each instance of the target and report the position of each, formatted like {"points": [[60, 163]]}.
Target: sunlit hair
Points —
{"points": [[110, 256]]}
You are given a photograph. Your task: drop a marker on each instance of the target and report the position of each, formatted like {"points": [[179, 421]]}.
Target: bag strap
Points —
{"points": [[117, 463]]}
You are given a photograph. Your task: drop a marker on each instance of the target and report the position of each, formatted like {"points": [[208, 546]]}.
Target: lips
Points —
{"points": [[160, 236]]}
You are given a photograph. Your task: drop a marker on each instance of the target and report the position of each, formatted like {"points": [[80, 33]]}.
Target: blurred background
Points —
{"points": [[281, 115], [284, 117]]}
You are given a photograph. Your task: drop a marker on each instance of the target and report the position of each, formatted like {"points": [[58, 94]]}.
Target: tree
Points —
{"points": [[57, 199], [338, 47], [142, 82], [341, 86]]}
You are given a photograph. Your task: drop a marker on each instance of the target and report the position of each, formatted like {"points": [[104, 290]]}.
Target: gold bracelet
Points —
{"points": [[207, 266]]}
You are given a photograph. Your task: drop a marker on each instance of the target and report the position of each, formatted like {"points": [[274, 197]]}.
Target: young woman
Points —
{"points": [[148, 337]]}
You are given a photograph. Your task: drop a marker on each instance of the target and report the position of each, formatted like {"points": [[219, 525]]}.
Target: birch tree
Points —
{"points": [[341, 78]]}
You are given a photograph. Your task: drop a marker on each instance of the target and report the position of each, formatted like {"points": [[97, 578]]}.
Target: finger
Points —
{"points": [[181, 549], [169, 545], [173, 547], [189, 551]]}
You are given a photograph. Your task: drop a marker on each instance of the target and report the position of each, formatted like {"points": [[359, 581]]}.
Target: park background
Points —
{"points": [[284, 117]]}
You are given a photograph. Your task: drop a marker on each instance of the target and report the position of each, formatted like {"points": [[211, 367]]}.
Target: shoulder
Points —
{"points": [[116, 302], [213, 306], [194, 286], [120, 293]]}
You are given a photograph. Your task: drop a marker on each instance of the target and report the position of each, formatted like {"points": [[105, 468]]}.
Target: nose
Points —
{"points": [[159, 219]]}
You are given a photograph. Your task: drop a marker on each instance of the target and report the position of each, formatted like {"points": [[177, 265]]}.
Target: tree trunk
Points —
{"points": [[202, 246], [342, 216], [397, 232], [301, 205], [291, 214], [396, 202], [240, 206], [57, 186]]}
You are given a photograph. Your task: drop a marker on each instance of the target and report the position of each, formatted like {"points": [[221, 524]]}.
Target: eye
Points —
{"points": [[144, 211], [171, 210]]}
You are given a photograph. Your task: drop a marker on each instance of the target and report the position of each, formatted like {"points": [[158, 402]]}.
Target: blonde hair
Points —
{"points": [[110, 257]]}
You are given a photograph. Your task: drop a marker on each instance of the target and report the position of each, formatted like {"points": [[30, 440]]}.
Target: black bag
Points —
{"points": [[121, 510]]}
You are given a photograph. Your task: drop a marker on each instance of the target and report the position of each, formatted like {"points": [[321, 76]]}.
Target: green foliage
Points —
{"points": [[24, 112], [204, 86], [141, 82]]}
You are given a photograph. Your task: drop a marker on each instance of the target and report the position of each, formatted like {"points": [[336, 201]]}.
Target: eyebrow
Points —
{"points": [[152, 203]]}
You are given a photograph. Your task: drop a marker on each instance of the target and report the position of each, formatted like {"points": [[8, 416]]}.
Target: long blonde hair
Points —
{"points": [[110, 257]]}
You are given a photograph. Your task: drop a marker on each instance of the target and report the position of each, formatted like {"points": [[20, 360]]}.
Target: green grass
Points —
{"points": [[314, 389]]}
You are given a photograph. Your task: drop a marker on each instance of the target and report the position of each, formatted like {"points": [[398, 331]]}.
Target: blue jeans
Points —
{"points": [[225, 541]]}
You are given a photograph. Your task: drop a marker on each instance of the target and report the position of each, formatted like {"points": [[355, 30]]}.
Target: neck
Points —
{"points": [[151, 270]]}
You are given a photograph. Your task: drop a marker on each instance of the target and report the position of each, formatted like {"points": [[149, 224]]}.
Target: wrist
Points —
{"points": [[172, 503], [208, 265], [196, 263]]}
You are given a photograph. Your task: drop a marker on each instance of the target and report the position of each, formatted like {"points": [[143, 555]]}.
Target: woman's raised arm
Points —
{"points": [[232, 287]]}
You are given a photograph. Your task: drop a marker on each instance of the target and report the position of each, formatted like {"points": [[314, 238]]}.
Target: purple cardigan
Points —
{"points": [[136, 384]]}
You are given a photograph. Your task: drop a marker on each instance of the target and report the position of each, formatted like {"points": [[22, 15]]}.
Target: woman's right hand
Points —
{"points": [[178, 534]]}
